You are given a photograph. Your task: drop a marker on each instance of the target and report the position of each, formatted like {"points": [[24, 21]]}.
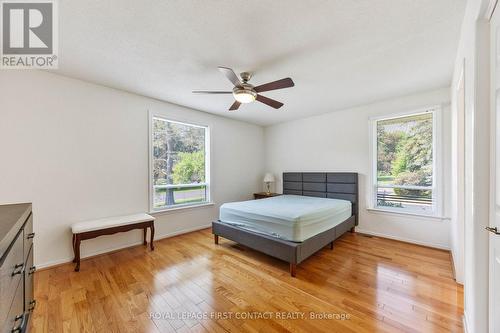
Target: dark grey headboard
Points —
{"points": [[335, 185]]}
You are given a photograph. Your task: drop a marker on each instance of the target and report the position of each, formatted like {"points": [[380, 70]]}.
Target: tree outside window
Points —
{"points": [[178, 164], [405, 168]]}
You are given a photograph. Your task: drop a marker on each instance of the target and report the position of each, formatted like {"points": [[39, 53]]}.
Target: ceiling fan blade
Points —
{"points": [[231, 76], [211, 92], [235, 106], [280, 84], [271, 102]]}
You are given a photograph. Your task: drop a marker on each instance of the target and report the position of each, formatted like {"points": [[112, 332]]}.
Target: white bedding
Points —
{"points": [[290, 217]]}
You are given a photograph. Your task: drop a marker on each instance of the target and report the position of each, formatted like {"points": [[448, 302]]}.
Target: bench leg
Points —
{"points": [[331, 246], [293, 269], [74, 248], [77, 253], [145, 233], [152, 236], [216, 239]]}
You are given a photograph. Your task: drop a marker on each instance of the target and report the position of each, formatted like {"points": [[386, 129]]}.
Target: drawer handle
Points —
{"points": [[32, 270], [32, 305], [31, 235], [16, 270]]}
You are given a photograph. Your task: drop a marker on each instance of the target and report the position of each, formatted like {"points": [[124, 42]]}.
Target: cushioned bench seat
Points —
{"points": [[110, 222], [110, 225]]}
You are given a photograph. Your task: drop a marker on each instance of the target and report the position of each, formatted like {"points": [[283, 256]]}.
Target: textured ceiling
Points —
{"points": [[340, 53]]}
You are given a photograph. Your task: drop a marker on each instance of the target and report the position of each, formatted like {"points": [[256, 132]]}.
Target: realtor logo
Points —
{"points": [[29, 34]]}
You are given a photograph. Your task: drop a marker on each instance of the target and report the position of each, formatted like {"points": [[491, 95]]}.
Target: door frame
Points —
{"points": [[492, 8]]}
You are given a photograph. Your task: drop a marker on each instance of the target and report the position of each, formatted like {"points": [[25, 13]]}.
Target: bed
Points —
{"points": [[294, 226]]}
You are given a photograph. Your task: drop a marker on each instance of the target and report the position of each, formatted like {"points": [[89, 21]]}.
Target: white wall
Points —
{"points": [[80, 151], [469, 239], [339, 141]]}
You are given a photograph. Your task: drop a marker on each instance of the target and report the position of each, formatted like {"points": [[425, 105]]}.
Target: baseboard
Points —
{"points": [[54, 263], [402, 239], [459, 281], [465, 323], [453, 266]]}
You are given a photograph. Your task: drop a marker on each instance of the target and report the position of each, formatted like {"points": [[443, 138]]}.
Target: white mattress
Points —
{"points": [[290, 217]]}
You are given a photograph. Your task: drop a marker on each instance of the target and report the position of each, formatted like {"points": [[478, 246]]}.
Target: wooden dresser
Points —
{"points": [[16, 267]]}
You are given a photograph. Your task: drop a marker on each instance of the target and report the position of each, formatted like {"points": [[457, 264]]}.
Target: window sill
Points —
{"points": [[184, 207], [392, 212]]}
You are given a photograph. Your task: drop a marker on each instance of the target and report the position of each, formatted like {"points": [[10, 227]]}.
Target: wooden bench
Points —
{"points": [[108, 226]]}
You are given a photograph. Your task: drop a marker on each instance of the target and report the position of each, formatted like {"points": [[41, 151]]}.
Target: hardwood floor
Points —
{"points": [[190, 284]]}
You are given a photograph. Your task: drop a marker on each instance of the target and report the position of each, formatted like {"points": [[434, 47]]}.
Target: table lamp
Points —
{"points": [[268, 179]]}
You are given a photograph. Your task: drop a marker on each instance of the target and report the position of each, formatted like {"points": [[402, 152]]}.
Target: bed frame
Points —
{"points": [[336, 185]]}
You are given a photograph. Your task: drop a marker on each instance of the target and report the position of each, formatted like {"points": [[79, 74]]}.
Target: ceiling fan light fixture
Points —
{"points": [[244, 92], [244, 95]]}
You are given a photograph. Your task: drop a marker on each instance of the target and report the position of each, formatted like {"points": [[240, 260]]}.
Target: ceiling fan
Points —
{"points": [[244, 92]]}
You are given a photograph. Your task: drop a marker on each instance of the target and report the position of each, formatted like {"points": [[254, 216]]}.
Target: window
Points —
{"points": [[179, 164], [404, 167]]}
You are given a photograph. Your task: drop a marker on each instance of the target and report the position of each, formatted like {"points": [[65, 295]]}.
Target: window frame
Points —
{"points": [[437, 179], [207, 183]]}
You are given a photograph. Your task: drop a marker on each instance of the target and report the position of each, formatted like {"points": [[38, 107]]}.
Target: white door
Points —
{"points": [[494, 228]]}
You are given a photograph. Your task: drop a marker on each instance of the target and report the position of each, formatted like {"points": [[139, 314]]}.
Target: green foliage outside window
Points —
{"points": [[404, 153], [190, 168], [178, 159]]}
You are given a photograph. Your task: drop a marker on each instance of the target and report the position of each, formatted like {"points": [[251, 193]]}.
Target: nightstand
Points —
{"points": [[263, 195]]}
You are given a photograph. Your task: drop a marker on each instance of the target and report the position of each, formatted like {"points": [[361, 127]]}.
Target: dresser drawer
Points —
{"points": [[29, 301], [28, 235], [11, 273], [16, 317]]}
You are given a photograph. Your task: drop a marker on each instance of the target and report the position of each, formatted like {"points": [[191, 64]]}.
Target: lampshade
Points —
{"points": [[269, 178]]}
